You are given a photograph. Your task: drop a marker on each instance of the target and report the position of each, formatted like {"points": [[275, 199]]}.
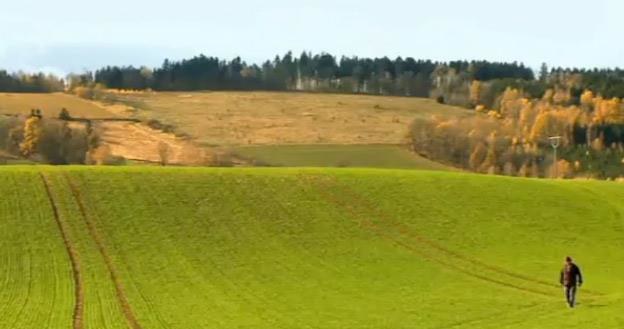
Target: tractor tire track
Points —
{"points": [[367, 223], [499, 317], [405, 230], [122, 299], [74, 258]]}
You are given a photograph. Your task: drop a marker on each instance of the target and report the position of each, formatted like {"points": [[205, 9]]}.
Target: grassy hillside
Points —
{"points": [[51, 105], [309, 248], [242, 118], [285, 129], [375, 156]]}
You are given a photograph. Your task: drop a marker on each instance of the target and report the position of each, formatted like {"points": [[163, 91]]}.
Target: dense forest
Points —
{"points": [[321, 72]]}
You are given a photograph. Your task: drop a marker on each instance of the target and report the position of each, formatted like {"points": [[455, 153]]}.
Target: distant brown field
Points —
{"points": [[51, 105], [273, 122], [267, 118]]}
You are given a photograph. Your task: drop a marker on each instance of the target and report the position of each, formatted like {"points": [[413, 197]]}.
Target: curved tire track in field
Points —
{"points": [[78, 316], [331, 191], [408, 232], [126, 309]]}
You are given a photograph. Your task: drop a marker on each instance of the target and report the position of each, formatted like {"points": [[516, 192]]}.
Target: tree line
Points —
{"points": [[30, 83], [449, 82], [307, 72]]}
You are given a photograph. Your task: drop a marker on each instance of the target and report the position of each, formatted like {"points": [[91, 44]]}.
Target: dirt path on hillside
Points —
{"points": [[136, 141], [78, 315]]}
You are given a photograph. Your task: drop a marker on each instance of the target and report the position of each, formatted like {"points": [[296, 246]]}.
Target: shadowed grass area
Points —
{"points": [[374, 156]]}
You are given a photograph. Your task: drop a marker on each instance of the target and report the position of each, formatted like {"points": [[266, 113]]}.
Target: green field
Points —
{"points": [[374, 156], [137, 247]]}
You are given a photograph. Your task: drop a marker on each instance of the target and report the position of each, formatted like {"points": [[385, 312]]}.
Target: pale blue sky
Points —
{"points": [[70, 35]]}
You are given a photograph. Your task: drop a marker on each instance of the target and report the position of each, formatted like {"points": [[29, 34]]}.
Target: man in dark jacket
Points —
{"points": [[570, 278]]}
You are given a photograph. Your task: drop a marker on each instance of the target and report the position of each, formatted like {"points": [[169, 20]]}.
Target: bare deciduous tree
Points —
{"points": [[164, 152]]}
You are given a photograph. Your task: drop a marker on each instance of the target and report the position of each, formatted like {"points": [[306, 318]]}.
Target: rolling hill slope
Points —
{"points": [[278, 118], [269, 128], [51, 105], [303, 248]]}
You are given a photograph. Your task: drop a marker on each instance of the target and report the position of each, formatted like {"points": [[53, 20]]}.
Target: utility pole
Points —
{"points": [[555, 141]]}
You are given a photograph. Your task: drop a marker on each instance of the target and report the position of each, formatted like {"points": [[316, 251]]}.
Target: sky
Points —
{"points": [[63, 36]]}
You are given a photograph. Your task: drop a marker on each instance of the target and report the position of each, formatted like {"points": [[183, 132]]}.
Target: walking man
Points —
{"points": [[570, 279]]}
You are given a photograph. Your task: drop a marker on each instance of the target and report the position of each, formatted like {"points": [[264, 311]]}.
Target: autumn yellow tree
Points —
{"points": [[511, 103], [540, 128], [608, 111], [587, 100], [476, 89], [32, 134]]}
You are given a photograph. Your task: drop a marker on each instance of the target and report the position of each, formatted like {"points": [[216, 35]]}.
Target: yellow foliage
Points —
{"points": [[475, 92], [494, 114], [540, 127], [587, 98], [83, 92], [32, 134], [608, 111], [480, 108], [562, 169]]}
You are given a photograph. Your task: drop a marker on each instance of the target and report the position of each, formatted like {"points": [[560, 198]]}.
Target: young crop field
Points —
{"points": [[149, 247], [51, 105]]}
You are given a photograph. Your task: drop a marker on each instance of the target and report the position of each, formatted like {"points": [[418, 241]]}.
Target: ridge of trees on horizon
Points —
{"points": [[324, 72], [448, 81], [320, 72]]}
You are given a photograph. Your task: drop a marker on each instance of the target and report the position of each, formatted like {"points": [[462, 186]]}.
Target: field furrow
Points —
{"points": [[37, 285], [178, 248], [93, 231], [100, 308], [74, 257]]}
